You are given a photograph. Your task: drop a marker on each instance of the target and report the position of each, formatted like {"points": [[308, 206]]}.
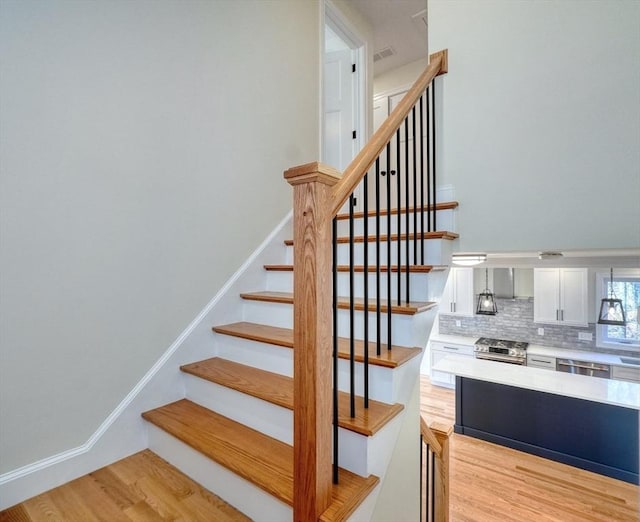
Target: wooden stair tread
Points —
{"points": [[445, 205], [413, 269], [278, 389], [440, 234], [275, 335], [412, 308], [262, 460]]}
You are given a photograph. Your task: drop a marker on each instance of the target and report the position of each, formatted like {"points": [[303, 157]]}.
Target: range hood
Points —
{"points": [[503, 283]]}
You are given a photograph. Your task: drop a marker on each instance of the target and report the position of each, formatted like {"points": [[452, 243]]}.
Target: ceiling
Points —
{"points": [[399, 24]]}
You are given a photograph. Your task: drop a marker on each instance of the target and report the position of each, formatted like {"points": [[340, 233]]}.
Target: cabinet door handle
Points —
{"points": [[451, 348], [562, 315], [540, 361]]}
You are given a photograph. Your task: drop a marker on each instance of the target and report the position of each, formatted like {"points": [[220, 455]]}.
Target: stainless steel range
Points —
{"points": [[514, 352]]}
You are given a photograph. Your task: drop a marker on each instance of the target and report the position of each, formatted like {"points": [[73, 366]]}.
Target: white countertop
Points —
{"points": [[536, 349], [454, 339], [608, 391], [563, 353]]}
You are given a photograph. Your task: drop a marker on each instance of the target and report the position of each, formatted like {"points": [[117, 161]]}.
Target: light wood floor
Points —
{"points": [[492, 483], [489, 483], [140, 488]]}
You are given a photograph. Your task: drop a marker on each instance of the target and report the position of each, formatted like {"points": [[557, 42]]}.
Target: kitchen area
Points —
{"points": [[541, 359]]}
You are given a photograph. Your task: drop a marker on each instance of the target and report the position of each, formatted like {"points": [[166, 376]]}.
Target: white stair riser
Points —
{"points": [[383, 382], [268, 357], [401, 327], [435, 253], [240, 493], [281, 315], [370, 458], [445, 220], [354, 450], [270, 419], [385, 385], [418, 284]]}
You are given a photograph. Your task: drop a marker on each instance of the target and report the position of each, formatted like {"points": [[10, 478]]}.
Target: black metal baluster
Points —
{"points": [[352, 360], [415, 199], [433, 184], [429, 203], [433, 486], [422, 184], [406, 201], [378, 255], [389, 303], [335, 350], [366, 290], [426, 482], [422, 444], [399, 216]]}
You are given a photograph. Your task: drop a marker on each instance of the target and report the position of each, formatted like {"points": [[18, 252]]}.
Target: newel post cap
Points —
{"points": [[312, 172]]}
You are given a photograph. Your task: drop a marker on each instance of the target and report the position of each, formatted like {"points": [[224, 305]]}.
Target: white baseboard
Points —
{"points": [[123, 433]]}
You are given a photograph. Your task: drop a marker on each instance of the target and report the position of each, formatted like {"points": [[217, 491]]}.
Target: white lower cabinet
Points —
{"points": [[440, 350], [624, 373], [541, 361]]}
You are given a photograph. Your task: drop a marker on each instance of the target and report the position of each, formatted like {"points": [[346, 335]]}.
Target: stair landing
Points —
{"points": [[140, 487]]}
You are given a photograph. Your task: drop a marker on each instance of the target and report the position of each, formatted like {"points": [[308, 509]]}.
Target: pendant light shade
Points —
{"points": [[611, 309], [486, 299]]}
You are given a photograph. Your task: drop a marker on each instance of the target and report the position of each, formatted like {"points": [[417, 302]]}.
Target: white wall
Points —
{"points": [[141, 155], [401, 77], [541, 122]]}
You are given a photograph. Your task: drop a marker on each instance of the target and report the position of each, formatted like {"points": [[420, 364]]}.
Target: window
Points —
{"points": [[626, 286]]}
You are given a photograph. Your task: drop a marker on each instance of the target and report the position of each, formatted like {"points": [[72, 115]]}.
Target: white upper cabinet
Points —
{"points": [[560, 296], [457, 298]]}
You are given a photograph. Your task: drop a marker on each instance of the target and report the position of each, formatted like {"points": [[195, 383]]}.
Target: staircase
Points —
{"points": [[233, 432]]}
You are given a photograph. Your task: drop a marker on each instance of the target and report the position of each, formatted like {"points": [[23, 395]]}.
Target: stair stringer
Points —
{"points": [[124, 432]]}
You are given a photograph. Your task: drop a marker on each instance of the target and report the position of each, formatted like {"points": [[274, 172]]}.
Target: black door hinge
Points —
{"points": [[353, 135], [353, 67], [354, 201]]}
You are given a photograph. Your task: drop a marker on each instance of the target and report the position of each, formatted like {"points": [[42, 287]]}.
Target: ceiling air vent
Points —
{"points": [[383, 53]]}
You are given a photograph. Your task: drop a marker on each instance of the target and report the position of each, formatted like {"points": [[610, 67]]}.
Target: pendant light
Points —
{"points": [[486, 299], [611, 309]]}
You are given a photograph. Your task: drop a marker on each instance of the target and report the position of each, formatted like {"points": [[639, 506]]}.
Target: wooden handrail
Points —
{"points": [[437, 436], [430, 438], [438, 64]]}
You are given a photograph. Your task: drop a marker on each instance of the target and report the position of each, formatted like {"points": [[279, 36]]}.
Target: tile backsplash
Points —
{"points": [[514, 321]]}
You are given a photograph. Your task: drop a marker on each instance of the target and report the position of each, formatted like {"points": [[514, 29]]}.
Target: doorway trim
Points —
{"points": [[347, 31]]}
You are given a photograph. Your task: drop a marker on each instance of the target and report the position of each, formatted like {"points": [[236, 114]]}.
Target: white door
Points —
{"points": [[343, 80], [338, 109]]}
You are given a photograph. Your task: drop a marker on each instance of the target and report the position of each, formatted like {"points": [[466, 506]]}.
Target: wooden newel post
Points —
{"points": [[312, 338], [441, 474]]}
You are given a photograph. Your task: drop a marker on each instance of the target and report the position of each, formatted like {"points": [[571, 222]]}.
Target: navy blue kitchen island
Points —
{"points": [[586, 422], [590, 435]]}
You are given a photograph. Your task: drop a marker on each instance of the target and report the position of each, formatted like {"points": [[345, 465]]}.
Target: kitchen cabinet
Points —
{"points": [[541, 361], [560, 296], [624, 373], [440, 350], [457, 298]]}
